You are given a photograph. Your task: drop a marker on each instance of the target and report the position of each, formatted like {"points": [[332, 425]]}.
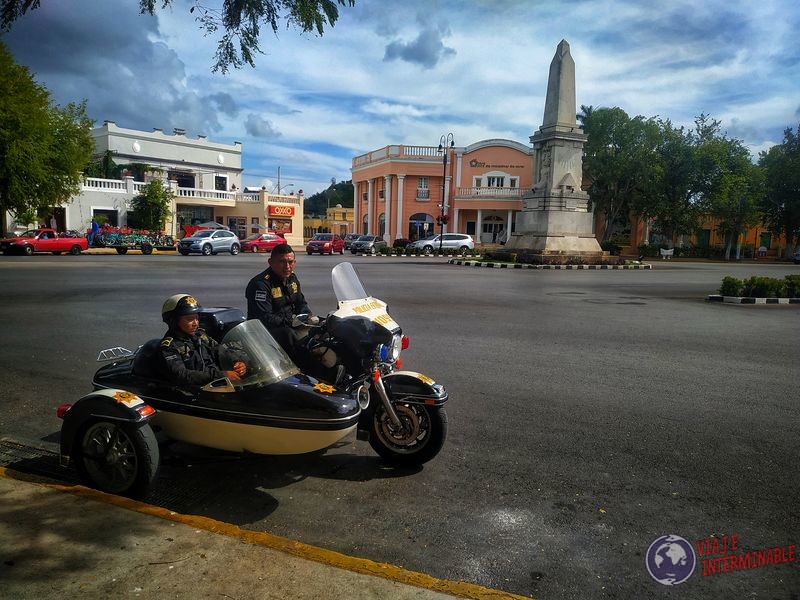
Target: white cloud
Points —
{"points": [[478, 69]]}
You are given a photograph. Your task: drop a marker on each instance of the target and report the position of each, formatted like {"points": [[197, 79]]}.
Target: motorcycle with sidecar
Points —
{"points": [[109, 435]]}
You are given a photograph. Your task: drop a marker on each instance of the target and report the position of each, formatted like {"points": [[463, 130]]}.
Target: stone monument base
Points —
{"points": [[553, 250]]}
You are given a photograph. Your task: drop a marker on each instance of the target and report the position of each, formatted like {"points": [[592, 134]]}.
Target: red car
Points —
{"points": [[325, 243], [43, 240], [262, 242]]}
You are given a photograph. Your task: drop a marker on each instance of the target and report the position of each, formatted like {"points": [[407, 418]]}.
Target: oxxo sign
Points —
{"points": [[281, 211]]}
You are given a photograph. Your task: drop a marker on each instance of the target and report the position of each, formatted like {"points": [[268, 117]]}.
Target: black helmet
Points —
{"points": [[178, 306]]}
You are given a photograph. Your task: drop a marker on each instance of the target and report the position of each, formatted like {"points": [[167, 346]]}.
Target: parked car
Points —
{"points": [[460, 241], [210, 241], [401, 243], [262, 242], [796, 256], [325, 243], [349, 239], [368, 244], [43, 240]]}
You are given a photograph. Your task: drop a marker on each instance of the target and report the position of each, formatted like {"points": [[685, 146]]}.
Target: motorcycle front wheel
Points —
{"points": [[119, 458], [419, 438]]}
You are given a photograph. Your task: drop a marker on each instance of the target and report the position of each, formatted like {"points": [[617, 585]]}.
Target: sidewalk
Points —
{"points": [[63, 541]]}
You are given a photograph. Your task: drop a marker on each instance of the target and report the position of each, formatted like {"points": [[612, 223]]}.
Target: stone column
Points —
{"points": [[387, 193], [370, 204], [356, 205], [479, 227], [401, 225], [447, 181]]}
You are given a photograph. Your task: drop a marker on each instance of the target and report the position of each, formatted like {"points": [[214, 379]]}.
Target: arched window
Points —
{"points": [[364, 226], [420, 225], [381, 224]]}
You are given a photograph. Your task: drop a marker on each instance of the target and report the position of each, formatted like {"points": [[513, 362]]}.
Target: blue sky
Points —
{"points": [[393, 72]]}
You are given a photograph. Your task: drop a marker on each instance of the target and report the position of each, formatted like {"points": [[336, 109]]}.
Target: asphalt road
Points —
{"points": [[591, 412]]}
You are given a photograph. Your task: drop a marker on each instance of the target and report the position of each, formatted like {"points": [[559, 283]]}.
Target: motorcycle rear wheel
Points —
{"points": [[421, 437], [119, 458]]}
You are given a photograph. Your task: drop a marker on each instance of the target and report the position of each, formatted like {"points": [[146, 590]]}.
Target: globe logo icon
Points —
{"points": [[670, 560]]}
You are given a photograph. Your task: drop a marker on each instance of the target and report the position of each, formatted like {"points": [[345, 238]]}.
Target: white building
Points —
{"points": [[205, 176]]}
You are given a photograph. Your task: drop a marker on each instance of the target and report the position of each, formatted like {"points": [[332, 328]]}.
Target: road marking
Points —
{"points": [[331, 558]]}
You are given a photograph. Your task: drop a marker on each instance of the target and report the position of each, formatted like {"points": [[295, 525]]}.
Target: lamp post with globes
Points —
{"points": [[446, 142]]}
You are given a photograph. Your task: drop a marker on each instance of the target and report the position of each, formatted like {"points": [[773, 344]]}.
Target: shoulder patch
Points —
{"points": [[261, 295], [166, 342]]}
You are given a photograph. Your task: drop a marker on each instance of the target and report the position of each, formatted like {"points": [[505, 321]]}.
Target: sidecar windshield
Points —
{"points": [[252, 344], [346, 284]]}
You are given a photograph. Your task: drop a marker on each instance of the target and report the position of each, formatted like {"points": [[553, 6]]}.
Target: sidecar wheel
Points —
{"points": [[422, 436], [119, 458]]}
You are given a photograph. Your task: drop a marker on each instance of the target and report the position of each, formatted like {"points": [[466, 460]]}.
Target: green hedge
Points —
{"points": [[761, 287]]}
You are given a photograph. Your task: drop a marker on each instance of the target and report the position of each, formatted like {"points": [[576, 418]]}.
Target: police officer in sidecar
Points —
{"points": [[190, 355]]}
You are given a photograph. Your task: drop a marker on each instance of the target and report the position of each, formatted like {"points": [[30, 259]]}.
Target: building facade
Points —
{"points": [[403, 191], [205, 178], [338, 220]]}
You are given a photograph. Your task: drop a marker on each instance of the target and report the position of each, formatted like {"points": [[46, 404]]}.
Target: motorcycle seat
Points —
{"points": [[147, 361]]}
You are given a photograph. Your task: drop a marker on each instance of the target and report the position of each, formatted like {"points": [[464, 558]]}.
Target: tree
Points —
{"points": [[151, 206], [672, 200], [619, 161], [43, 148], [240, 20], [337, 193], [781, 203], [103, 167], [729, 185]]}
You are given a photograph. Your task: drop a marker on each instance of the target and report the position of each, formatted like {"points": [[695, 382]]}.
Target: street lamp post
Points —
{"points": [[446, 142]]}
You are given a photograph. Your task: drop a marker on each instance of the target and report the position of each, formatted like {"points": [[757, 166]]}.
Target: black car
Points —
{"points": [[349, 239]]}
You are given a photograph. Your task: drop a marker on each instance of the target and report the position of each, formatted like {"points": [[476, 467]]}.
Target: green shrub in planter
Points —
{"points": [[792, 286], [764, 287], [731, 286]]}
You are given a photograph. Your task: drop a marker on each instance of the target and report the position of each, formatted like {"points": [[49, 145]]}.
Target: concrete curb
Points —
{"points": [[745, 300], [491, 265]]}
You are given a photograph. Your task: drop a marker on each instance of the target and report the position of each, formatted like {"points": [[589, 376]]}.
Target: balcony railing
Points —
{"points": [[398, 151], [423, 194], [128, 186], [489, 192]]}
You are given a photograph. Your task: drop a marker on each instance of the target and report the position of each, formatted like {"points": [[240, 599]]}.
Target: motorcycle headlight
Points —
{"points": [[391, 352]]}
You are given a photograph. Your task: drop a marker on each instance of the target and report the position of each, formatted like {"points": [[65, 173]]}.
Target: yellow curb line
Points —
{"points": [[331, 558]]}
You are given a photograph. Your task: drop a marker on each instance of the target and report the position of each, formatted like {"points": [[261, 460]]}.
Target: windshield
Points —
{"points": [[28, 234], [366, 238], [346, 284], [266, 361], [323, 237], [253, 237], [202, 234]]}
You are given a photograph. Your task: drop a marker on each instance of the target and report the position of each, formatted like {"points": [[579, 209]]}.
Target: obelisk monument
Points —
{"points": [[555, 219]]}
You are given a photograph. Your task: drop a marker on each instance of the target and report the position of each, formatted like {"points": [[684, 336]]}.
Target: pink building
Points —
{"points": [[399, 190]]}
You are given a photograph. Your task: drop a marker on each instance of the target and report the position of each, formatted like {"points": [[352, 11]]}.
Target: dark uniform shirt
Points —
{"points": [[274, 302], [191, 359]]}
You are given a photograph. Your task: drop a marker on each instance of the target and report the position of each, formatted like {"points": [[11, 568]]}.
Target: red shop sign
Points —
{"points": [[281, 211]]}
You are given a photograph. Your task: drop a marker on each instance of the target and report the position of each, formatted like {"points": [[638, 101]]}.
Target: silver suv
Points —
{"points": [[459, 241], [210, 241]]}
